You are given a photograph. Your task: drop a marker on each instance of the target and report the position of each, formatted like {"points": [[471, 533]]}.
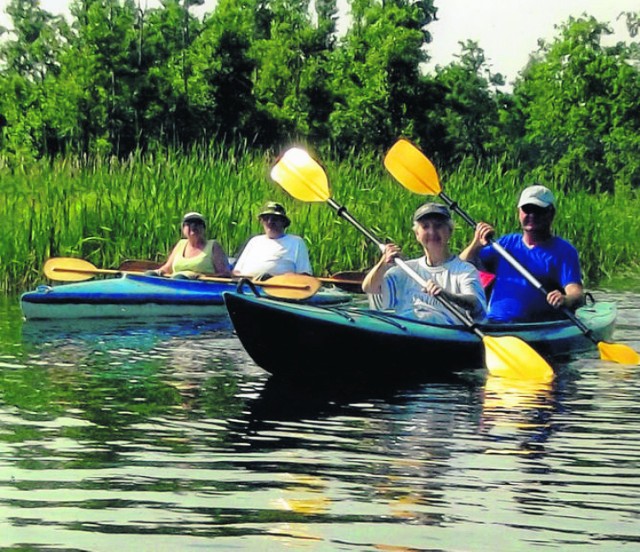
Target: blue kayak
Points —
{"points": [[140, 296], [305, 342]]}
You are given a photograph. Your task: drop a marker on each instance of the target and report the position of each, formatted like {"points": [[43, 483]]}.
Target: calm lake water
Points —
{"points": [[167, 437]]}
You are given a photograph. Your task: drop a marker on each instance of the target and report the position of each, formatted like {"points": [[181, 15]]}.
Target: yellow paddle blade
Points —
{"points": [[301, 176], [617, 352], [290, 286], [68, 269], [510, 357], [409, 166]]}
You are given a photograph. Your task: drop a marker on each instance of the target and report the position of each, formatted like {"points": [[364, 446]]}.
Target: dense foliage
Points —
{"points": [[114, 122], [109, 210], [118, 77]]}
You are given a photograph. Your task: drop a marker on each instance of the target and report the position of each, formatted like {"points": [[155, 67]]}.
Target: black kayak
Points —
{"points": [[306, 342]]}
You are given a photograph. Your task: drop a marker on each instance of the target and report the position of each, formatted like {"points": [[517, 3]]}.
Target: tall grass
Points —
{"points": [[107, 211]]}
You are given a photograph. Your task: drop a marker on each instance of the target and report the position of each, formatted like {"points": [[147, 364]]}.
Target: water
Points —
{"points": [[167, 437]]}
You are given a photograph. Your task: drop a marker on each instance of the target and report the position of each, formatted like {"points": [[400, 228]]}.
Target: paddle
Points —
{"points": [[506, 356], [350, 280], [283, 286], [135, 265], [414, 171]]}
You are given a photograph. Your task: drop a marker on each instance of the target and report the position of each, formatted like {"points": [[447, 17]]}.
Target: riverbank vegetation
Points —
{"points": [[116, 121], [112, 210]]}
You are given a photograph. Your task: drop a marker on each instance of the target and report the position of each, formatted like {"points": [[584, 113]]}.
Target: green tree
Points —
{"points": [[33, 53], [163, 97], [30, 62], [376, 72], [222, 85], [129, 71], [470, 112], [578, 107], [290, 83], [99, 66]]}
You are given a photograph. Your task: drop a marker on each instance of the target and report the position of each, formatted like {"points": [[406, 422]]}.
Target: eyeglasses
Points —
{"points": [[535, 210]]}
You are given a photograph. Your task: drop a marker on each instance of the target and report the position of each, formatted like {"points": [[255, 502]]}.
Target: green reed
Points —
{"points": [[106, 211]]}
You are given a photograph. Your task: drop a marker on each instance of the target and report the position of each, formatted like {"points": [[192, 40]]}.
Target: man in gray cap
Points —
{"points": [[446, 275], [553, 261]]}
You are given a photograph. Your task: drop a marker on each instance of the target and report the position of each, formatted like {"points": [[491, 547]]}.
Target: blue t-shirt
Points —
{"points": [[554, 264]]}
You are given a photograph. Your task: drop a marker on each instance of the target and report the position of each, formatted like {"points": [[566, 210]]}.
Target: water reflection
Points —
{"points": [[522, 408], [113, 334], [168, 437], [117, 376]]}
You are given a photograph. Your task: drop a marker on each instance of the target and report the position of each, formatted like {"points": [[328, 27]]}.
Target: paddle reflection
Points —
{"points": [[304, 494], [525, 406], [397, 443]]}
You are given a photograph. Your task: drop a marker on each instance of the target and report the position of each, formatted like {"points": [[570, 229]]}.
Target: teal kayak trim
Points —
{"points": [[307, 342], [135, 295]]}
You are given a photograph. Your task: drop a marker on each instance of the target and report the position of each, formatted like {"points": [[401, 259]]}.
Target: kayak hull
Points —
{"points": [[308, 342], [139, 296]]}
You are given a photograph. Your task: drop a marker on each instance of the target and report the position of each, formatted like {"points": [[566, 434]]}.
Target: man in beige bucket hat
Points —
{"points": [[275, 251]]}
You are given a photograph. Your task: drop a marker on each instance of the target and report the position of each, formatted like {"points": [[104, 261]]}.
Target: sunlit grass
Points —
{"points": [[109, 210]]}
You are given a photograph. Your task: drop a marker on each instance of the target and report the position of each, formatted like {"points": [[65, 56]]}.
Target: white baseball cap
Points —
{"points": [[536, 195]]}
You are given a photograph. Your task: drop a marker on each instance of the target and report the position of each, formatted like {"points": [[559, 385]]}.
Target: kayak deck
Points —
{"points": [[133, 295], [305, 341]]}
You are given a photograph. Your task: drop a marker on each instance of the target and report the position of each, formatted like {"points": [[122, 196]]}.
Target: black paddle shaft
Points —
{"points": [[342, 212], [521, 269]]}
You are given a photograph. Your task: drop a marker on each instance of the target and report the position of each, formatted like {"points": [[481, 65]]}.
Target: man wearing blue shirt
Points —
{"points": [[551, 260]]}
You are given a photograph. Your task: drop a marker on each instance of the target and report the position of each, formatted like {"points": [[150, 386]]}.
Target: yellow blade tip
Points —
{"points": [[616, 352], [301, 176], [412, 168], [512, 358]]}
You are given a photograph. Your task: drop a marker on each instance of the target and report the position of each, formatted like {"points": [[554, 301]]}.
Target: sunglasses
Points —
{"points": [[535, 210]]}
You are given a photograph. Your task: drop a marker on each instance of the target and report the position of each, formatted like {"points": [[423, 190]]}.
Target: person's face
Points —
{"points": [[534, 218], [433, 231], [192, 228], [273, 224]]}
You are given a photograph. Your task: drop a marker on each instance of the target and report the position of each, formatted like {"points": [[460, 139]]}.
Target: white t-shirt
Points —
{"points": [[263, 255], [405, 296]]}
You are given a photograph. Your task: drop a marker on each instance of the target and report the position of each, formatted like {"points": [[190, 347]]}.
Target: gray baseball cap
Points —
{"points": [[431, 209]]}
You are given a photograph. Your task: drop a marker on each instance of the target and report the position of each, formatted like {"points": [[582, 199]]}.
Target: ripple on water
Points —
{"points": [[167, 437]]}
